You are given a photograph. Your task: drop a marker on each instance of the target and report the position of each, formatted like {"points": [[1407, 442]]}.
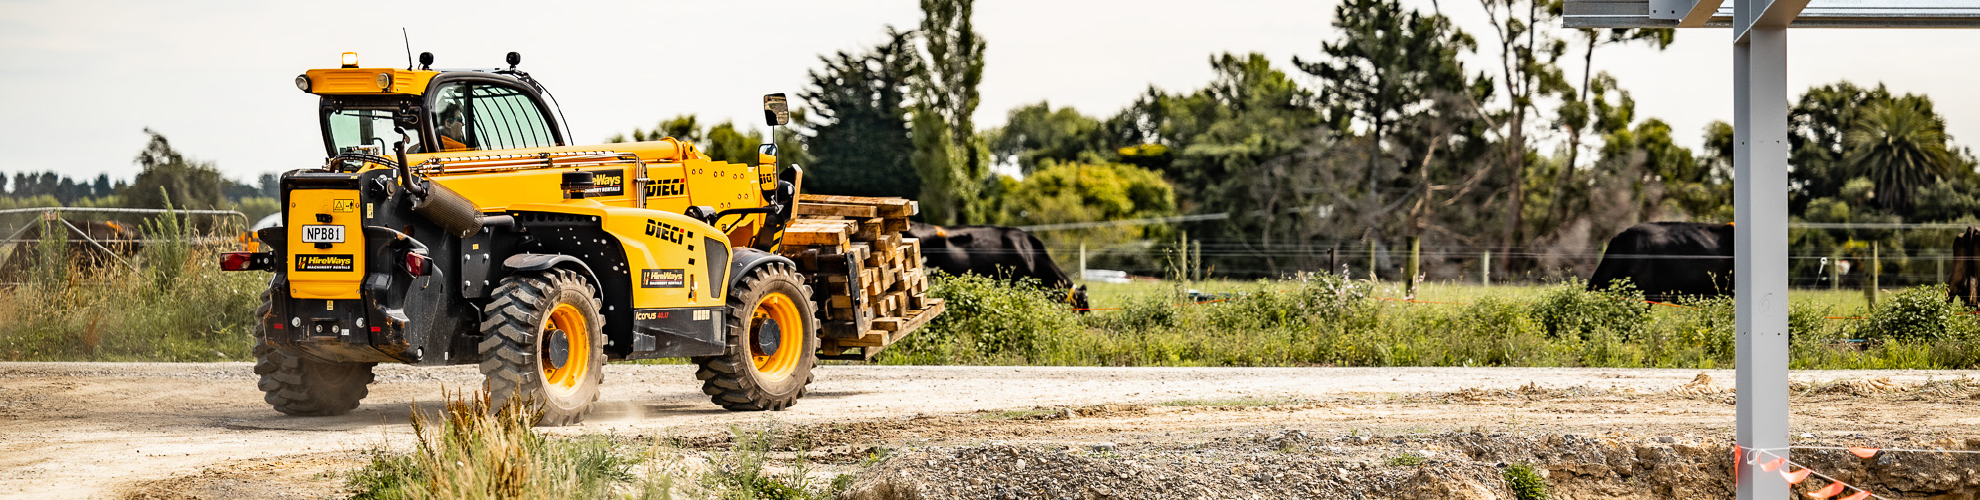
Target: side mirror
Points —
{"points": [[776, 111]]}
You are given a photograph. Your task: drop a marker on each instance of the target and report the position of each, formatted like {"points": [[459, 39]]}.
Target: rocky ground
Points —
{"points": [[72, 430]]}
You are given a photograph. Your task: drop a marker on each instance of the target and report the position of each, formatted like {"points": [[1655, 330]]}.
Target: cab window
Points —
{"points": [[365, 127], [450, 112], [505, 118], [481, 116]]}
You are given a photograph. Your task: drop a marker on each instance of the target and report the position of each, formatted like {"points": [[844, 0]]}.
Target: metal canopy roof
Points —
{"points": [[1817, 14]]}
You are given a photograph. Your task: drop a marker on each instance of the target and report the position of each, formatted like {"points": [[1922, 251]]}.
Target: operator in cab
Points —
{"points": [[453, 129]]}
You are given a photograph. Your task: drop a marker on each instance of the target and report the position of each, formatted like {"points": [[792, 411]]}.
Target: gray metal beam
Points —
{"points": [[1779, 13], [1775, 14], [1686, 13], [1760, 243], [1816, 14]]}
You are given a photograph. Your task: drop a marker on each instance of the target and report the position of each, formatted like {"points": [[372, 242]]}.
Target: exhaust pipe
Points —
{"points": [[446, 208]]}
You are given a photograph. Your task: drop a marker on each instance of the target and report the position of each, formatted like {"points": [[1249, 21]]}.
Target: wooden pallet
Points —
{"points": [[862, 270]]}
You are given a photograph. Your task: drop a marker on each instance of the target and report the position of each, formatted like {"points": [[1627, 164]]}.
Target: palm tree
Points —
{"points": [[1901, 146]]}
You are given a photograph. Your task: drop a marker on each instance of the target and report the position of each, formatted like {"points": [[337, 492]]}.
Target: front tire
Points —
{"points": [[298, 385], [543, 340], [773, 343]]}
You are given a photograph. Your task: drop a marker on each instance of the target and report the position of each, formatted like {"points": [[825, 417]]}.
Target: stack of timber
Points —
{"points": [[865, 274]]}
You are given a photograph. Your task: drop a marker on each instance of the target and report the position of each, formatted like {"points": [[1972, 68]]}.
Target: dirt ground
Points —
{"points": [[155, 430]]}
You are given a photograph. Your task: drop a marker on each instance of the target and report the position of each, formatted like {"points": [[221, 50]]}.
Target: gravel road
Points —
{"points": [[83, 430]]}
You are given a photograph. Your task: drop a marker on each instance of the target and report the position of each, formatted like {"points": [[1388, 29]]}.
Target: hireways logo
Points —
{"points": [[343, 262]]}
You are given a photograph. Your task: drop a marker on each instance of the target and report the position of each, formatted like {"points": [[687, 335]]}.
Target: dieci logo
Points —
{"points": [[664, 231], [325, 262], [662, 278], [662, 188]]}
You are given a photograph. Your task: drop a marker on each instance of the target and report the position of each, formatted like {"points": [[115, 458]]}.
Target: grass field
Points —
{"points": [[1336, 322], [179, 307], [173, 304]]}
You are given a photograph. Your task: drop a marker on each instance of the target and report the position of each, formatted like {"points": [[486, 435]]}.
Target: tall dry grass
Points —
{"points": [[473, 450], [170, 302]]}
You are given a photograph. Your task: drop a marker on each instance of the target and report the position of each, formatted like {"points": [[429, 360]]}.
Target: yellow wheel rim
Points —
{"points": [[568, 321], [777, 309]]}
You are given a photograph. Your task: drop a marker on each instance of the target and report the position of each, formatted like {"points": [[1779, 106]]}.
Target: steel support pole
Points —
{"points": [[1760, 247]]}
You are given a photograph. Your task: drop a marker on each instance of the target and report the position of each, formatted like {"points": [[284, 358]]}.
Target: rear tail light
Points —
{"points": [[418, 264], [237, 261]]}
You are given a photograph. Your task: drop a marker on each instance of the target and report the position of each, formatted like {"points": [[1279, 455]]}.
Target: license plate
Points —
{"points": [[323, 234]]}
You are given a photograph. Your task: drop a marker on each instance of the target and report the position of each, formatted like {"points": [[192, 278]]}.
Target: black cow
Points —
{"points": [[1965, 284], [1668, 259], [1005, 253]]}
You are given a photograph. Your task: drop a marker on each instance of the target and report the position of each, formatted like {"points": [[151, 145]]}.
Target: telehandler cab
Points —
{"points": [[455, 223]]}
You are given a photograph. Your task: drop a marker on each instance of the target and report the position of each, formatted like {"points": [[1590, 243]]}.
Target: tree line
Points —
{"points": [[1385, 137], [166, 178]]}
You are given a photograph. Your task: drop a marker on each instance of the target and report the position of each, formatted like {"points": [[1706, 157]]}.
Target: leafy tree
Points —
{"points": [[1529, 57], [1387, 66], [1914, 151], [858, 127], [725, 143], [187, 182], [1582, 105], [1080, 192], [1036, 132], [1397, 74], [1900, 146], [953, 160], [271, 185], [1575, 113], [686, 128], [59, 187], [1060, 192], [1817, 125], [722, 142], [1216, 145], [1695, 188]]}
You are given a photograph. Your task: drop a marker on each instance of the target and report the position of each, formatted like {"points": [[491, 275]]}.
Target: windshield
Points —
{"points": [[367, 127]]}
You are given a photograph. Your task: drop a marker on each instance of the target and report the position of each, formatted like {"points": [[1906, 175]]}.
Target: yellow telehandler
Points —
{"points": [[454, 222]]}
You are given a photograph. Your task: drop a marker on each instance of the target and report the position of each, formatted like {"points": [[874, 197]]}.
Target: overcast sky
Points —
{"points": [[80, 80]]}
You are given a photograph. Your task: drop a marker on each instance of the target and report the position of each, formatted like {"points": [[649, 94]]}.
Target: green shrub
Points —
{"points": [[1525, 482], [1570, 310], [1406, 459], [1917, 314], [1696, 334], [741, 474], [986, 321]]}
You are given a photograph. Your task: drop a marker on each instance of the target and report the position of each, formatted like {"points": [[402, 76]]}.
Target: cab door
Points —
{"points": [[488, 115]]}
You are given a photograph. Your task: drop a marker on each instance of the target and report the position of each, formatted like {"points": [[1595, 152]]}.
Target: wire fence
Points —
{"points": [[1916, 261], [1824, 255]]}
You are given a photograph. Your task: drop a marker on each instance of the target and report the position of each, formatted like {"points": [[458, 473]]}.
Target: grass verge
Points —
{"points": [[473, 451], [1325, 320]]}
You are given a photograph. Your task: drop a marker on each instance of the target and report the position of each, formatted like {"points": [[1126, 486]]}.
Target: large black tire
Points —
{"points": [[752, 376], [521, 330], [297, 385]]}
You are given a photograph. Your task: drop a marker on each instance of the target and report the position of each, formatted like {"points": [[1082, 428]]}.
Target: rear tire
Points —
{"points": [[298, 385], [543, 340], [758, 373]]}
